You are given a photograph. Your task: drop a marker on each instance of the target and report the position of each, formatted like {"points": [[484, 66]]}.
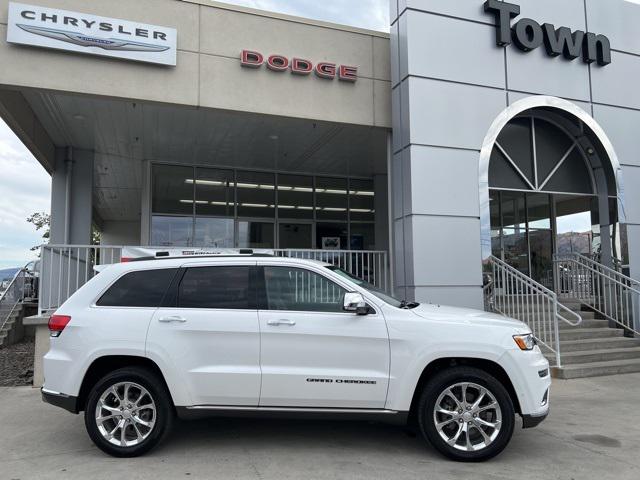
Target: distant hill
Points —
{"points": [[8, 273]]}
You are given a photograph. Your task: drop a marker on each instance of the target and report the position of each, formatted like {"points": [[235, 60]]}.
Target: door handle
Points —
{"points": [[275, 323], [172, 319]]}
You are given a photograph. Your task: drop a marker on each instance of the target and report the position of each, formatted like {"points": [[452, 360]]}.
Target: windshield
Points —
{"points": [[381, 294]]}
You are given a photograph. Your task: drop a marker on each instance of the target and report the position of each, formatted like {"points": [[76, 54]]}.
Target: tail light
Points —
{"points": [[125, 259], [57, 323]]}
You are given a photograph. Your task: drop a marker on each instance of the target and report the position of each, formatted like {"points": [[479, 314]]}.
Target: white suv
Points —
{"points": [[246, 334]]}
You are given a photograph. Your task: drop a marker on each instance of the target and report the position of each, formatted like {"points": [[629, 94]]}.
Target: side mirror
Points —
{"points": [[354, 302]]}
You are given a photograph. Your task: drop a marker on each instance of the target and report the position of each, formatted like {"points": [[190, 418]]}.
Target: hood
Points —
{"points": [[475, 317]]}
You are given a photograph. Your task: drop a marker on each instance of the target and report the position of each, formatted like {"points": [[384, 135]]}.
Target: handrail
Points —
{"points": [[514, 294], [607, 291], [4, 297]]}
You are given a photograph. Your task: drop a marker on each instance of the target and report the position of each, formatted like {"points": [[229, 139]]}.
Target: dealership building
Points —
{"points": [[474, 130]]}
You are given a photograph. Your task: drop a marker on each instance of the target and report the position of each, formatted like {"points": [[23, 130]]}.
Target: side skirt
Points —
{"points": [[349, 414]]}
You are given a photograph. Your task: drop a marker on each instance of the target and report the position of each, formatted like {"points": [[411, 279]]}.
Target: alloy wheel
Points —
{"points": [[125, 414], [467, 416]]}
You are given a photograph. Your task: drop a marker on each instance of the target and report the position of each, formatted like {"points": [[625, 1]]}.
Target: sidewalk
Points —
{"points": [[592, 433]]}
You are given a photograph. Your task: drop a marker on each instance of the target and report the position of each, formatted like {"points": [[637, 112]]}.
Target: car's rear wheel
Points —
{"points": [[128, 412], [466, 414]]}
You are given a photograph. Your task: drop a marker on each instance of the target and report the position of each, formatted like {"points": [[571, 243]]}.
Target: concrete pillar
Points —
{"points": [[72, 197], [145, 210], [381, 205]]}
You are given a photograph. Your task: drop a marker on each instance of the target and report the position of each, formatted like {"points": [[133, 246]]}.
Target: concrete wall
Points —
{"points": [[120, 233], [450, 81], [208, 72]]}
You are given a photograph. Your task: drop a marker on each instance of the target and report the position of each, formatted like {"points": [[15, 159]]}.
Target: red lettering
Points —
{"points": [[326, 70], [300, 66], [348, 74], [277, 63], [251, 59]]}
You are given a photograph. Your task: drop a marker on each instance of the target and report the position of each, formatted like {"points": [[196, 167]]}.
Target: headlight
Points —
{"points": [[525, 342]]}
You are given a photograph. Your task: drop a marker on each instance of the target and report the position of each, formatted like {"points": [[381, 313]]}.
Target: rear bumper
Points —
{"points": [[61, 400], [530, 421]]}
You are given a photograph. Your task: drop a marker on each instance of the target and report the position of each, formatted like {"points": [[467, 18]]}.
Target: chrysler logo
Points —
{"points": [[89, 41]]}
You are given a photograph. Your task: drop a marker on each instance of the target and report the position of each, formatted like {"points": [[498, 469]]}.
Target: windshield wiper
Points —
{"points": [[408, 305]]}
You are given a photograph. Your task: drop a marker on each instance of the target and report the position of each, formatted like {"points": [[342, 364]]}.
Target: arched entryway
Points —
{"points": [[550, 184]]}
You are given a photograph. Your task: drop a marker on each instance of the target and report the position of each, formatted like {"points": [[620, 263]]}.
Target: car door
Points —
{"points": [[313, 354], [209, 335]]}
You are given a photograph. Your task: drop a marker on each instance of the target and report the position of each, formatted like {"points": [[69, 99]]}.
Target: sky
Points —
{"points": [[25, 187]]}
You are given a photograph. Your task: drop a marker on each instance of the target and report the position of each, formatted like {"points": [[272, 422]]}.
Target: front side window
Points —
{"points": [[138, 289], [216, 287], [296, 289]]}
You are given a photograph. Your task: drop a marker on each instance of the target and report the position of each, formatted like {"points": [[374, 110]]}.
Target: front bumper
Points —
{"points": [[61, 400], [531, 421]]}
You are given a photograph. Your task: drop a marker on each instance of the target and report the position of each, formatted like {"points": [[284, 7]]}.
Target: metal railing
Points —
{"points": [[12, 296], [514, 294], [66, 268], [605, 290], [369, 265]]}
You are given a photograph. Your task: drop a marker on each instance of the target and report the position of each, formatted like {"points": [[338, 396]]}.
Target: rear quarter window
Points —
{"points": [[144, 288]]}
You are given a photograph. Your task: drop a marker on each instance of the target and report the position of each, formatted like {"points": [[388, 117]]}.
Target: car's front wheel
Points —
{"points": [[128, 412], [466, 414]]}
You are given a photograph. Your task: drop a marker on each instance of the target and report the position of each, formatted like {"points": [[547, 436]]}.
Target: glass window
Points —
{"points": [[171, 231], [516, 140], [363, 236], [216, 287], [138, 289], [332, 236], [331, 198], [214, 192], [296, 289], [214, 232], [172, 189], [361, 200], [295, 196], [256, 194], [539, 211], [255, 234], [295, 235]]}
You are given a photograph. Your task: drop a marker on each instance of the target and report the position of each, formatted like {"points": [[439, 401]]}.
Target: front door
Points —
{"points": [[210, 335], [313, 354]]}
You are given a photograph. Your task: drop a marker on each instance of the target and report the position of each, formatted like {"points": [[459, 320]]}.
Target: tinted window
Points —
{"points": [[138, 289], [216, 287], [301, 290]]}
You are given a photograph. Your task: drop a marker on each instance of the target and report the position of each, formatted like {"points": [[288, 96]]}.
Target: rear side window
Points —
{"points": [[144, 288], [217, 287]]}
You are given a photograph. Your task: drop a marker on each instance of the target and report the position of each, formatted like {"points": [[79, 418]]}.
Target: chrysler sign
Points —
{"points": [[80, 32]]}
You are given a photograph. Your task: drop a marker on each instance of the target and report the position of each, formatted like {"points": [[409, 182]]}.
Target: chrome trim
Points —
{"points": [[293, 409]]}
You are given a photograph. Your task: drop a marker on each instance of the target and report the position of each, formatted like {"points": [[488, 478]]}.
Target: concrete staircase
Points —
{"points": [[593, 348], [12, 331]]}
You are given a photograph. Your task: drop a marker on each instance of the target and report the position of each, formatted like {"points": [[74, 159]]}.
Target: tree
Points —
{"points": [[42, 221]]}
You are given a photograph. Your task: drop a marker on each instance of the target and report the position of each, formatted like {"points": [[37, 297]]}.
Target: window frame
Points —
{"points": [[174, 288], [98, 297], [263, 302]]}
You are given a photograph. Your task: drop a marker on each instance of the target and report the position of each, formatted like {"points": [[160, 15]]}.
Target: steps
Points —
{"points": [[12, 330], [593, 348]]}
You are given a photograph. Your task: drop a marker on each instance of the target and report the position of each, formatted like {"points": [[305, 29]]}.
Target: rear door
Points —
{"points": [[313, 354], [209, 334]]}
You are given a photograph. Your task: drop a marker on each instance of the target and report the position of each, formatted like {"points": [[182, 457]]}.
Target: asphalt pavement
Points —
{"points": [[593, 432]]}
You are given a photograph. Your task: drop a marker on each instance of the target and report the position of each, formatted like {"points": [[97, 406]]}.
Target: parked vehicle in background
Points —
{"points": [[247, 334]]}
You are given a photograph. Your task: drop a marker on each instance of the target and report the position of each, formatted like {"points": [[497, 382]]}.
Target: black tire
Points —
{"points": [[163, 417], [427, 423]]}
